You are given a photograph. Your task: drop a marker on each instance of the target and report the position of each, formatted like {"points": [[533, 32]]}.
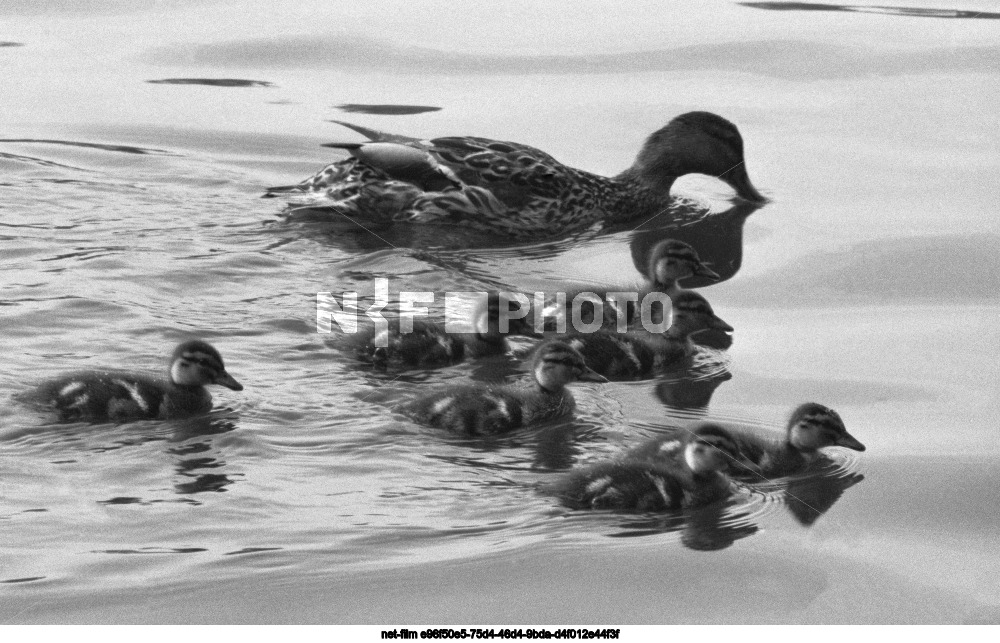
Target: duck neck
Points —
{"points": [[630, 195]]}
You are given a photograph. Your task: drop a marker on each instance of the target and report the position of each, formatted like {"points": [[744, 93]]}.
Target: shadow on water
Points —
{"points": [[386, 110], [910, 12], [213, 82]]}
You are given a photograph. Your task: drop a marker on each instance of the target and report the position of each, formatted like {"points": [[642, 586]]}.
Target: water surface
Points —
{"points": [[136, 138]]}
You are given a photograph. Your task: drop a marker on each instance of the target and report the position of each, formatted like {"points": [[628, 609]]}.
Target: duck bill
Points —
{"points": [[227, 380], [590, 375], [850, 442], [719, 324], [705, 271], [738, 179]]}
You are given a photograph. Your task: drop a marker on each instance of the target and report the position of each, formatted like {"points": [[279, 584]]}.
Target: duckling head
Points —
{"points": [[813, 426], [557, 364], [197, 363], [487, 321], [693, 313], [671, 260], [709, 447], [695, 143]]}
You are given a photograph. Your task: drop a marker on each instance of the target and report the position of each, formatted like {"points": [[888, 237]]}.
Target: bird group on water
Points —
{"points": [[517, 190]]}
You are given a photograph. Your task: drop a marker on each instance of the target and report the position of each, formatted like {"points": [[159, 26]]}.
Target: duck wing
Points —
{"points": [[515, 174]]}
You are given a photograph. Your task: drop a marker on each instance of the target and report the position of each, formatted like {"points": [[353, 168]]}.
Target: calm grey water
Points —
{"points": [[130, 218]]}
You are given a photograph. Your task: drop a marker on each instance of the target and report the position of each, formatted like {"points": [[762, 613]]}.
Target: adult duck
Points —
{"points": [[513, 188]]}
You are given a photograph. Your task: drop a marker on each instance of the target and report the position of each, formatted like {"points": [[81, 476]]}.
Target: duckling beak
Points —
{"points": [[719, 324], [849, 441], [590, 375], [227, 380], [739, 180], [704, 271]]}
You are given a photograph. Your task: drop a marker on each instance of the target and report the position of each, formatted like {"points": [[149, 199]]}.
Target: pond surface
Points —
{"points": [[136, 138]]}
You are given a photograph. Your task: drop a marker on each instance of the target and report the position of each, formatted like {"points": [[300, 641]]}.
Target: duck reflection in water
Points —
{"points": [[689, 393], [718, 240], [198, 466]]}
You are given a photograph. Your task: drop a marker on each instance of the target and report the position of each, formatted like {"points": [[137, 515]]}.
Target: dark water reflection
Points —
{"points": [[916, 12], [387, 110]]}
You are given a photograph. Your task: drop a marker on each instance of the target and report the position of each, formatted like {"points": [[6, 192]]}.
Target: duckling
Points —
{"points": [[429, 345], [514, 188], [694, 478], [639, 354], [670, 261], [119, 396], [811, 427], [477, 410]]}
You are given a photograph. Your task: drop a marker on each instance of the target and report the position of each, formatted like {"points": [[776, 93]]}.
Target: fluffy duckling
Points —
{"points": [[811, 427], [119, 396], [639, 354], [515, 188], [428, 345], [694, 477], [670, 261], [478, 410]]}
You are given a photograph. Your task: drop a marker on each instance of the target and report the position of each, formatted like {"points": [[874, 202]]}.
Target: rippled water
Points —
{"points": [[136, 138]]}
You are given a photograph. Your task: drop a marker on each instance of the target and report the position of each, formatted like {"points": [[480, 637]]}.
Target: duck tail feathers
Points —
{"points": [[375, 135]]}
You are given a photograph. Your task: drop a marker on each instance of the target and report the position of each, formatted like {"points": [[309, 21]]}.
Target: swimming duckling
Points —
{"points": [[429, 345], [639, 354], [811, 427], [99, 396], [670, 261], [515, 188], [695, 477], [478, 410]]}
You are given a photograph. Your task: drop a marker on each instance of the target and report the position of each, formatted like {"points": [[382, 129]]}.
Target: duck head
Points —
{"points": [[813, 426], [197, 363], [709, 448], [692, 314], [671, 260], [556, 364], [695, 143]]}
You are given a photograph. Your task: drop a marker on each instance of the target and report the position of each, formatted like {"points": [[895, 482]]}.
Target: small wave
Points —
{"points": [[126, 149]]}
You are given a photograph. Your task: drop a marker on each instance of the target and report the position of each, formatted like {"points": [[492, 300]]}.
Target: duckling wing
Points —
{"points": [[103, 395], [617, 356], [621, 486], [470, 411]]}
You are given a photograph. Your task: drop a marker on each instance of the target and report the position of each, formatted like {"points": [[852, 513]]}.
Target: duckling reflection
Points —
{"points": [[690, 393], [809, 497], [708, 528], [200, 470]]}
